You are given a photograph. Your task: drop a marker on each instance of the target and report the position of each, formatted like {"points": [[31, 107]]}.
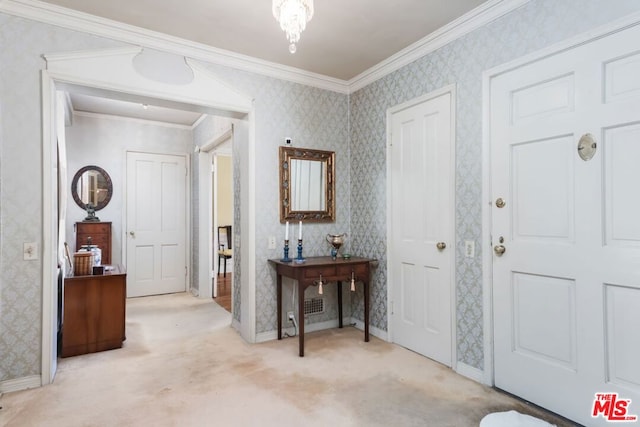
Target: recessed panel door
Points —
{"points": [[565, 149], [156, 224], [421, 237]]}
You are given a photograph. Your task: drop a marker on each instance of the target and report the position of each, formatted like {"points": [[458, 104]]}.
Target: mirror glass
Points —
{"points": [[308, 189], [91, 184], [306, 185]]}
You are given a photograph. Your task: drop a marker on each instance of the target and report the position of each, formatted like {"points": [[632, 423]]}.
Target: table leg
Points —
{"points": [[339, 304], [301, 289], [279, 304], [366, 311]]}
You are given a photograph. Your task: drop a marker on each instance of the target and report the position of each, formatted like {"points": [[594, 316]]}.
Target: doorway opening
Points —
{"points": [[92, 71]]}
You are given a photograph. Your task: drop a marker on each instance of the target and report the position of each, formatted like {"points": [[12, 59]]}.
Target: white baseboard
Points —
{"points": [[312, 327], [470, 372], [33, 381], [376, 332], [235, 324], [320, 326]]}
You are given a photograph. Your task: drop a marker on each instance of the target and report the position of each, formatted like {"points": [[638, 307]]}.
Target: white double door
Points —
{"points": [[566, 291], [421, 233], [156, 224]]}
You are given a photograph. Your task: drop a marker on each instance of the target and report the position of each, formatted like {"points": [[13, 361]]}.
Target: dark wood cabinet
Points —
{"points": [[100, 235], [94, 312]]}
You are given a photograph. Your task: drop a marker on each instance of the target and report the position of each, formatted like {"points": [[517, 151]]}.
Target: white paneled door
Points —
{"points": [[421, 226], [565, 156], [156, 224]]}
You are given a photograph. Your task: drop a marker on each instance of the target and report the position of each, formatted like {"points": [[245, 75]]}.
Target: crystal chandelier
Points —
{"points": [[293, 16]]}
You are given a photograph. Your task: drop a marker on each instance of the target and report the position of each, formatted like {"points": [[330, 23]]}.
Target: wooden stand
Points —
{"points": [[306, 273], [94, 312]]}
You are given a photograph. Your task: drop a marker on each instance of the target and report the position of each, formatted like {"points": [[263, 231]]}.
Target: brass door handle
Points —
{"points": [[441, 246], [499, 249]]}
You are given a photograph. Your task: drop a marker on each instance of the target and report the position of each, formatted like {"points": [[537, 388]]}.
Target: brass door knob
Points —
{"points": [[499, 249], [132, 234], [441, 246]]}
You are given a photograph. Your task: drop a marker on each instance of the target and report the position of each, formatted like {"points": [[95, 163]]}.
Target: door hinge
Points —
{"points": [[186, 271], [391, 304]]}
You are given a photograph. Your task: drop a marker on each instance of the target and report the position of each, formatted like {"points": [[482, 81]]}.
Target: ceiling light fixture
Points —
{"points": [[293, 16]]}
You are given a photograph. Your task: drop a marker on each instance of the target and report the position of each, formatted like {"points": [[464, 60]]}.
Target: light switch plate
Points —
{"points": [[272, 242], [30, 251], [469, 248]]}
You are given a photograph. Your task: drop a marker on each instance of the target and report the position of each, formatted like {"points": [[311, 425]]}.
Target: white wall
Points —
{"points": [[103, 141]]}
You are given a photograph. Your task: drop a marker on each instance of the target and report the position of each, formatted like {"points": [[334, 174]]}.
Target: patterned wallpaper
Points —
{"points": [[312, 118], [22, 43], [353, 127], [538, 24]]}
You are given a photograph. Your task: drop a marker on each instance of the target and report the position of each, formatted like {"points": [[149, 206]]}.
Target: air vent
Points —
{"points": [[314, 306]]}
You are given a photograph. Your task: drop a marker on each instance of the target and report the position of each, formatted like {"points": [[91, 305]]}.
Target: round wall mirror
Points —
{"points": [[92, 185]]}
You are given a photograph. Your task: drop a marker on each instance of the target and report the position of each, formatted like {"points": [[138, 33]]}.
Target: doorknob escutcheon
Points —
{"points": [[441, 246]]}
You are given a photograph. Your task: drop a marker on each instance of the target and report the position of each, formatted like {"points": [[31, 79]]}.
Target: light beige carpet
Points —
{"points": [[183, 365]]}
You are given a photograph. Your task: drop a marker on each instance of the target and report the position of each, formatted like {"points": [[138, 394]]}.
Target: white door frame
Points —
{"points": [[112, 70], [207, 216], [487, 249], [451, 89]]}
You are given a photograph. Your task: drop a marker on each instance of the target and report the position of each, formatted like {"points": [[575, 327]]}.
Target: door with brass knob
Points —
{"points": [[564, 132], [422, 214]]}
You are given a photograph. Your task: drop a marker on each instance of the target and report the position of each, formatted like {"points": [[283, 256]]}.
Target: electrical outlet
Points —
{"points": [[469, 248], [290, 316], [272, 242]]}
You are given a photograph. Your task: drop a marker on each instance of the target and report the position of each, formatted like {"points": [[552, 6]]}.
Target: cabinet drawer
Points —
{"points": [[360, 270], [88, 228], [313, 272], [100, 240]]}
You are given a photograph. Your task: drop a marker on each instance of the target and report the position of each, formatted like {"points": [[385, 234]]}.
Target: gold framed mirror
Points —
{"points": [[307, 185]]}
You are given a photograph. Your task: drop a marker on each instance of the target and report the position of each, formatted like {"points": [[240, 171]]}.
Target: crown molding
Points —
{"points": [[104, 116], [79, 21], [474, 19]]}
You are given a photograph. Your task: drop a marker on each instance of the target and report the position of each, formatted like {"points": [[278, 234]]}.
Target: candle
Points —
{"points": [[286, 231], [300, 230]]}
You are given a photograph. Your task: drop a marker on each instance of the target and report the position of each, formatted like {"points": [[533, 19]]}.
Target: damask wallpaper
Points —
{"points": [[352, 126], [22, 43], [534, 26]]}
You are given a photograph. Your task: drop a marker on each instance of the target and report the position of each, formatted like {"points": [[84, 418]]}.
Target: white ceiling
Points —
{"points": [[344, 39]]}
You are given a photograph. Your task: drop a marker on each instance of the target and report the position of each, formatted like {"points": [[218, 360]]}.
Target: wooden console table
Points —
{"points": [[309, 272]]}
